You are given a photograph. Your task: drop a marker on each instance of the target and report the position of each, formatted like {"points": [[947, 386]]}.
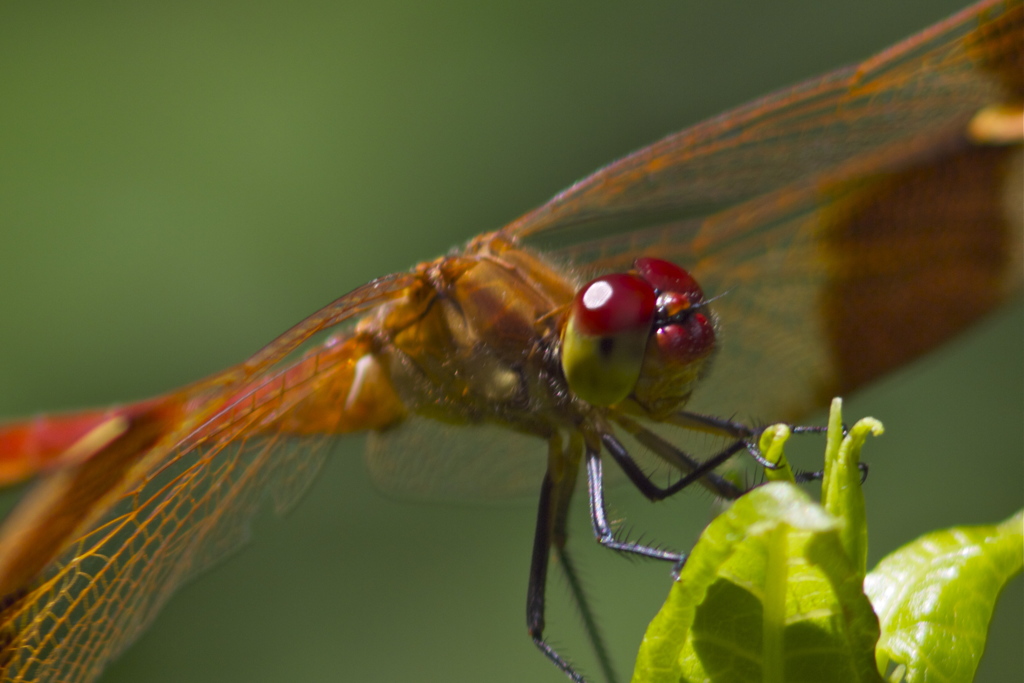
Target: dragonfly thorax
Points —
{"points": [[472, 340]]}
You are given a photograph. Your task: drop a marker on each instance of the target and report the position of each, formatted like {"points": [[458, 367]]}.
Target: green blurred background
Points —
{"points": [[181, 182]]}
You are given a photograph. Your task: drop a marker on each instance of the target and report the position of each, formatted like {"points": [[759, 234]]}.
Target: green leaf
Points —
{"points": [[935, 596], [775, 589], [768, 595], [841, 492], [771, 444]]}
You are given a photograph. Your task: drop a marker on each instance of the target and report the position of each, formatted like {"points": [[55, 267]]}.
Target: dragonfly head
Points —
{"points": [[644, 336]]}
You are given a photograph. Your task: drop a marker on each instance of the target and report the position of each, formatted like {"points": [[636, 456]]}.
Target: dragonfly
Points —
{"points": [[776, 211]]}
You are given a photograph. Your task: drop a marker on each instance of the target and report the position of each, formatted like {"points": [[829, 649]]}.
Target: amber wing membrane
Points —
{"points": [[845, 226], [925, 88], [180, 505]]}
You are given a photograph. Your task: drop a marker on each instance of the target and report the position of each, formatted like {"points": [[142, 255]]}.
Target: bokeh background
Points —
{"points": [[180, 182]]}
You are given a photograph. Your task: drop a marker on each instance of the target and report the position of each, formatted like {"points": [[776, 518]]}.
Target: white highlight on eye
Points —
{"points": [[597, 294]]}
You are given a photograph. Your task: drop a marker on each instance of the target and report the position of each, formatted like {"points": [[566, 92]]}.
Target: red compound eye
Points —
{"points": [[605, 337], [612, 304], [693, 338], [668, 277]]}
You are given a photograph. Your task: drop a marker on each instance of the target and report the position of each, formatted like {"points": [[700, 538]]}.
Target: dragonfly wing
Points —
{"points": [[929, 85], [431, 461], [111, 582], [427, 460], [846, 225], [186, 499]]}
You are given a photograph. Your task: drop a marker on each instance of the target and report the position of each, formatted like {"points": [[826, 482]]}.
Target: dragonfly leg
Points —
{"points": [[552, 517], [552, 514], [698, 470], [738, 431], [818, 475], [729, 428], [538, 583], [579, 596], [599, 517], [712, 425], [671, 454]]}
